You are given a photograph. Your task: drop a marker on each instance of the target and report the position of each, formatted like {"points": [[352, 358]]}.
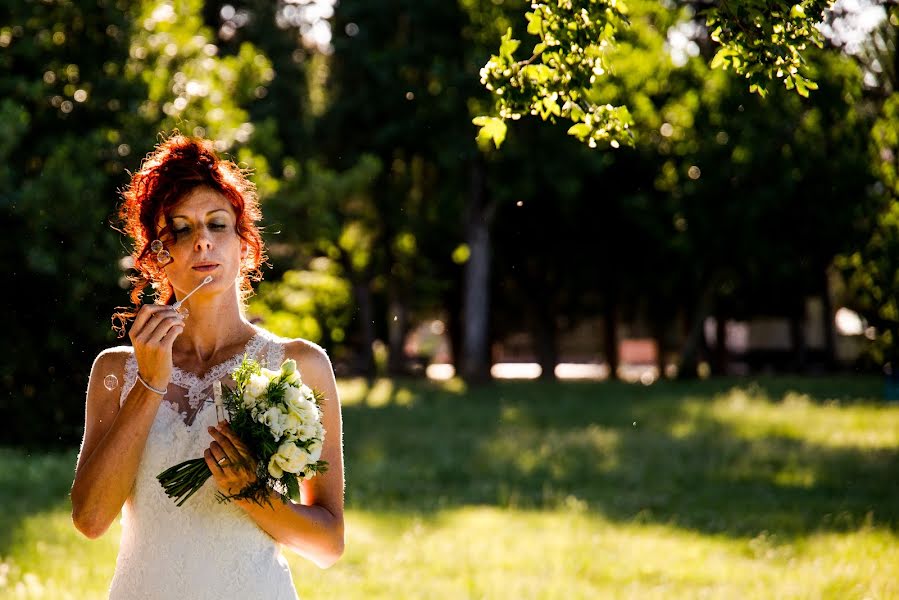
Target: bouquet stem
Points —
{"points": [[184, 479]]}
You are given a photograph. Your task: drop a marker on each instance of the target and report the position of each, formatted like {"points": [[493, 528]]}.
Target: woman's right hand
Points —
{"points": [[154, 331]]}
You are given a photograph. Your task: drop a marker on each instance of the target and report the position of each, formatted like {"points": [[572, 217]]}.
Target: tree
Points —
{"points": [[760, 40], [84, 96]]}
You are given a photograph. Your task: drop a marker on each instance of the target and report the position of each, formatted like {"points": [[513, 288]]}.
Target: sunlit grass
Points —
{"points": [[782, 488]]}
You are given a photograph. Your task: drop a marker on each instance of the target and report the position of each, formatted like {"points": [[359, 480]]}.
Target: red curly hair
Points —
{"points": [[177, 166]]}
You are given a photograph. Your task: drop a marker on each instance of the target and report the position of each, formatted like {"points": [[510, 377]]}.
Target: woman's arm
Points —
{"points": [[114, 437], [113, 444], [313, 528]]}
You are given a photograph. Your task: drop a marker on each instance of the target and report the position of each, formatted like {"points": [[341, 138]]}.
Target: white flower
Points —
{"points": [[291, 395], [249, 400], [256, 386], [307, 431], [315, 450], [273, 418], [291, 425], [304, 410], [269, 374], [290, 458], [289, 372], [274, 469]]}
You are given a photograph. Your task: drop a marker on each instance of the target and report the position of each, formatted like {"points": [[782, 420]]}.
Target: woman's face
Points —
{"points": [[203, 242]]}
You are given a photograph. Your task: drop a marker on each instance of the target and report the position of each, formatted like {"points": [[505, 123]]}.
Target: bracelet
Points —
{"points": [[150, 387]]}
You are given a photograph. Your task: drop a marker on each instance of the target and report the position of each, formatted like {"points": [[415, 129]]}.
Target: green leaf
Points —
{"points": [[535, 23], [492, 129], [721, 59], [508, 46], [580, 130], [293, 487]]}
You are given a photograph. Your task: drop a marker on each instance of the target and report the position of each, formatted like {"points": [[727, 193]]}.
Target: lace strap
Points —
{"points": [[130, 377], [275, 354]]}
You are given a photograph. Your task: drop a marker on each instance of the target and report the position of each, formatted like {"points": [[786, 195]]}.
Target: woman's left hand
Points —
{"points": [[229, 460]]}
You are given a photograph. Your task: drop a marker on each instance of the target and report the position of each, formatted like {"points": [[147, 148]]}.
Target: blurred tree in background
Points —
{"points": [[86, 87], [384, 208]]}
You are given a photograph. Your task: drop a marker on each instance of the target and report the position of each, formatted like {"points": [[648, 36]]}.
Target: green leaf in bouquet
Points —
{"points": [[247, 368], [292, 485]]}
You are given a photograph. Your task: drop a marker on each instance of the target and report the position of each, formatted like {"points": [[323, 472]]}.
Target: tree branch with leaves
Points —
{"points": [[762, 40]]}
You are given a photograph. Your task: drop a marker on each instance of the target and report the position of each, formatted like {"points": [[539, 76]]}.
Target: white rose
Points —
{"points": [[304, 410], [291, 425], [290, 458], [291, 394], [256, 386], [273, 419], [315, 450], [274, 469], [289, 366], [249, 400], [310, 413], [307, 431]]}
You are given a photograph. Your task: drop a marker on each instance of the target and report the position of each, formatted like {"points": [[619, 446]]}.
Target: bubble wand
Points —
{"points": [[177, 305]]}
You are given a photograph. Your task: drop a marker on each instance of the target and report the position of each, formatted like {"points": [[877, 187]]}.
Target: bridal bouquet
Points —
{"points": [[279, 418]]}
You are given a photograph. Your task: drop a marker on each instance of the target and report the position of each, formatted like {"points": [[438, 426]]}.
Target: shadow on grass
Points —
{"points": [[631, 453], [617, 449], [31, 483]]}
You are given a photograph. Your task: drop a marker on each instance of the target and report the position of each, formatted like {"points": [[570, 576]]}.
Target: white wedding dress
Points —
{"points": [[203, 549]]}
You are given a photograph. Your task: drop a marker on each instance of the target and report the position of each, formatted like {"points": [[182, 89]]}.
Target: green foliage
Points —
{"points": [[85, 90], [189, 85], [760, 40], [566, 62], [763, 40], [315, 304], [64, 130], [872, 270]]}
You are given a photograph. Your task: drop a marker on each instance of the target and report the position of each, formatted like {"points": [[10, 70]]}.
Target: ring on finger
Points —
{"points": [[222, 461]]}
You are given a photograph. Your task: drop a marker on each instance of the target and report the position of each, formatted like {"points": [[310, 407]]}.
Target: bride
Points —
{"points": [[193, 215]]}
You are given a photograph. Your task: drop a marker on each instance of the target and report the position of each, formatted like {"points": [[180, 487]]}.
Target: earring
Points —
{"points": [[162, 255]]}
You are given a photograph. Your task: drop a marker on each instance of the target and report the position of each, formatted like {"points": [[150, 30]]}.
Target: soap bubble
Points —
{"points": [[163, 257], [156, 246], [110, 382]]}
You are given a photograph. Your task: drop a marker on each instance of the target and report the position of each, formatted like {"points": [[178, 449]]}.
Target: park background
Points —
{"points": [[710, 314]]}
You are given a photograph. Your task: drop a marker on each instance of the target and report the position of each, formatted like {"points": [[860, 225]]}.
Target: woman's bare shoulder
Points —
{"points": [[112, 359], [311, 358], [300, 349]]}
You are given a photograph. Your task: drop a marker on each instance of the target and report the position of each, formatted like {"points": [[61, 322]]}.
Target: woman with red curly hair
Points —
{"points": [[192, 216]]}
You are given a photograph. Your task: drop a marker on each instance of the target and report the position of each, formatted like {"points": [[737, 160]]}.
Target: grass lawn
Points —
{"points": [[771, 488]]}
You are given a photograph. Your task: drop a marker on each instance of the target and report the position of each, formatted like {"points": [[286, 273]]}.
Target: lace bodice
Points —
{"points": [[188, 391], [203, 549]]}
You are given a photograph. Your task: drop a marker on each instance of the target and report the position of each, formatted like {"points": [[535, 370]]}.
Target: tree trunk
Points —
{"points": [[546, 342], [689, 356], [797, 339], [610, 336], [366, 328], [397, 327], [476, 301], [827, 316], [658, 334], [454, 320], [721, 354]]}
